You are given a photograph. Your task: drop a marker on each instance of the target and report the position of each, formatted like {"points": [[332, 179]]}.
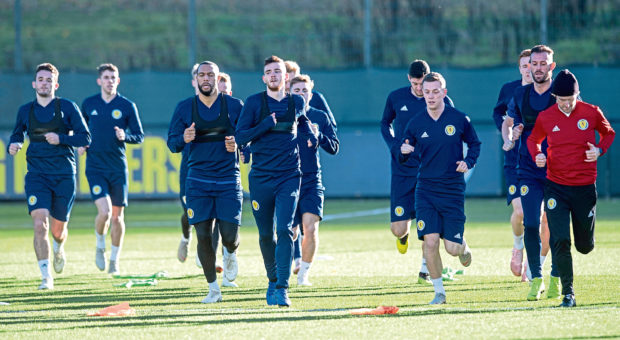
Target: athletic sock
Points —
{"points": [[424, 269], [100, 240], [518, 241], [305, 266], [115, 251], [213, 286], [403, 239], [44, 267], [438, 285], [542, 260], [57, 246], [186, 239]]}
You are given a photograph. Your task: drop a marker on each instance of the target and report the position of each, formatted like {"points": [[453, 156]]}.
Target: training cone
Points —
{"points": [[122, 309], [376, 311]]}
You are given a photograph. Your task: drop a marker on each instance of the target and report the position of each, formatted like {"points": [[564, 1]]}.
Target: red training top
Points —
{"points": [[567, 138]]}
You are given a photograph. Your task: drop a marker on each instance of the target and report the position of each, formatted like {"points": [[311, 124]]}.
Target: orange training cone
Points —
{"points": [[376, 311], [122, 309]]}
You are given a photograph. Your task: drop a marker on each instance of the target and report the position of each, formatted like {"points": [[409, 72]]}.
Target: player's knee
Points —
{"points": [[117, 219], [104, 213], [584, 247], [399, 229], [41, 227], [230, 234], [453, 250], [203, 230], [284, 232], [311, 229], [518, 213], [431, 243]]}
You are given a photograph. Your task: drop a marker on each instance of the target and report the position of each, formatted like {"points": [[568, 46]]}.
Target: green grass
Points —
{"points": [[358, 267]]}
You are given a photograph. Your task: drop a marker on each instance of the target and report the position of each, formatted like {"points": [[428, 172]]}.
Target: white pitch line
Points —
{"points": [[360, 213]]}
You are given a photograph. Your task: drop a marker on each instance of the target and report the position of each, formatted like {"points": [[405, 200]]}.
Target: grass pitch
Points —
{"points": [[357, 266]]}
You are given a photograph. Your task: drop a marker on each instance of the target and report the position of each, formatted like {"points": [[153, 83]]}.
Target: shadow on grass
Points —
{"points": [[235, 316]]}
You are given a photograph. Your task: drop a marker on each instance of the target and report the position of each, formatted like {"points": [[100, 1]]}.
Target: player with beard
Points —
{"points": [[527, 102], [206, 123], [54, 126], [401, 105], [113, 121], [272, 121]]}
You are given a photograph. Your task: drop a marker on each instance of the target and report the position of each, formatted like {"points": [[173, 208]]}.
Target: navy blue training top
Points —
{"points": [[318, 101], [539, 102], [440, 144], [499, 114], [328, 141], [271, 151], [207, 161], [106, 153], [43, 157], [401, 105]]}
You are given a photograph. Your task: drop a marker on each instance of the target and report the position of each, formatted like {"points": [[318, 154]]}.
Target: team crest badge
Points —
{"points": [[512, 189], [450, 130], [524, 190], [551, 203], [32, 200], [582, 124], [421, 225], [190, 213], [399, 211], [96, 190], [117, 114], [255, 205]]}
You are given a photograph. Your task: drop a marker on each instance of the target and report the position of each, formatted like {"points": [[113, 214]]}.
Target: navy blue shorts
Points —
{"points": [[532, 194], [182, 180], [402, 198], [207, 200], [113, 184], [311, 198], [441, 212], [512, 184], [55, 193]]}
